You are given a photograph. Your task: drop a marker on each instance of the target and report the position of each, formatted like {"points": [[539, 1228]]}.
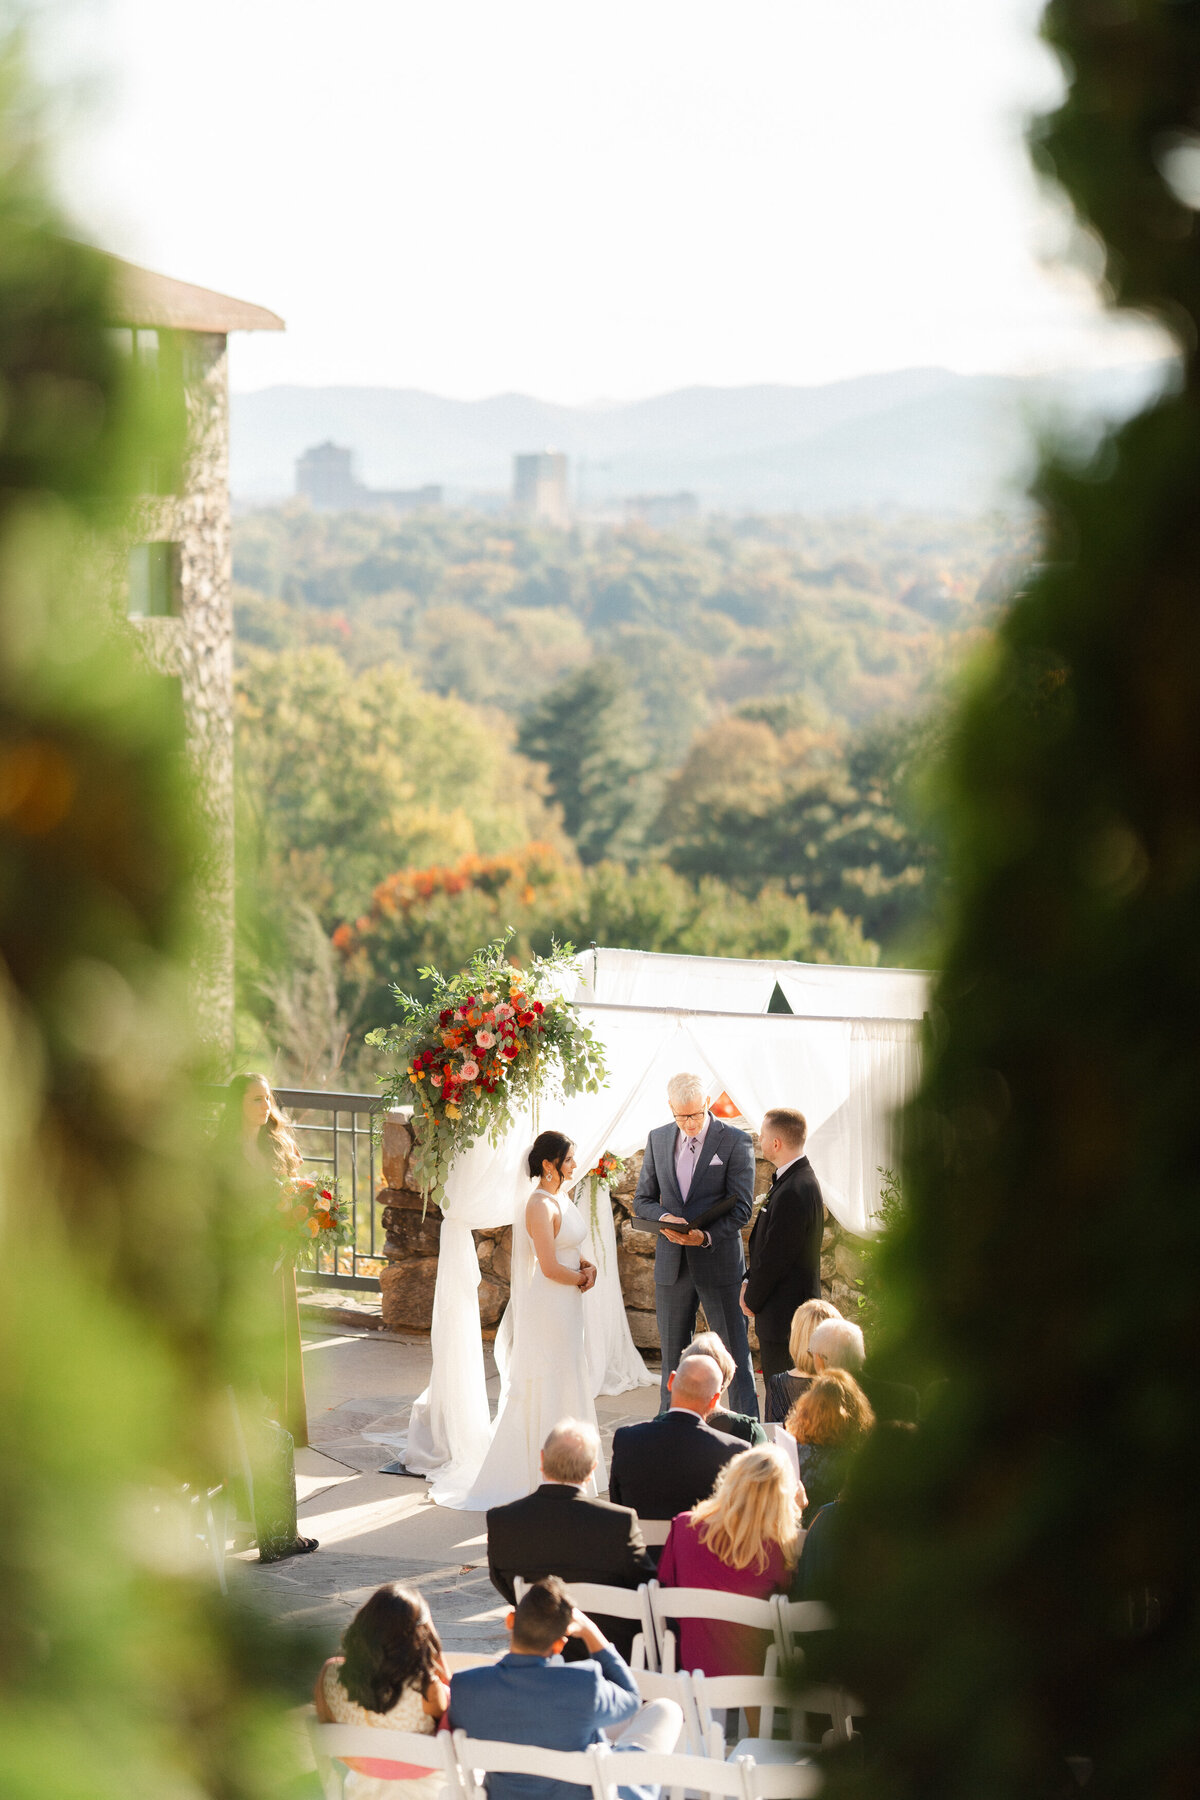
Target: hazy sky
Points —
{"points": [[583, 201]]}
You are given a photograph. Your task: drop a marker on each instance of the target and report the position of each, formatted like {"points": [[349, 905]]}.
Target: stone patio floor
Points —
{"points": [[373, 1527]]}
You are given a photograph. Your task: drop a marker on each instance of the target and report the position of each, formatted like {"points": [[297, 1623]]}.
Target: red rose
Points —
{"points": [[444, 1018], [538, 1007], [510, 1050]]}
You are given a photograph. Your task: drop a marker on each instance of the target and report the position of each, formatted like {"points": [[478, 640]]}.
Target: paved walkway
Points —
{"points": [[373, 1527]]}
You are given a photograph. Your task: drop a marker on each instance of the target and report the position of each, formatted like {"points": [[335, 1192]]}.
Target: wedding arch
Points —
{"points": [[847, 1055]]}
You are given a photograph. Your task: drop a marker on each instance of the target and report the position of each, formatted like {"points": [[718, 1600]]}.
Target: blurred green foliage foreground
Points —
{"points": [[1022, 1582], [121, 1316]]}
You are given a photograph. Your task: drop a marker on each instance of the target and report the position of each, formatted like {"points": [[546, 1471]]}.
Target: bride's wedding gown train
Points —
{"points": [[547, 1375]]}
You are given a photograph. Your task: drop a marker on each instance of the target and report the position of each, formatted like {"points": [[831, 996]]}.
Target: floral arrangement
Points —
{"points": [[609, 1169], [313, 1215], [487, 1042]]}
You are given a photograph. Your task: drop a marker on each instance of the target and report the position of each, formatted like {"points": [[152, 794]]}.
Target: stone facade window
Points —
{"points": [[154, 581]]}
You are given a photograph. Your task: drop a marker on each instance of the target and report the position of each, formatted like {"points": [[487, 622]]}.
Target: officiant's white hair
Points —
{"points": [[686, 1087], [571, 1451]]}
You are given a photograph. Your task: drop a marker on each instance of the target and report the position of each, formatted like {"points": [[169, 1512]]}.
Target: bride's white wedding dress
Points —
{"points": [[546, 1378]]}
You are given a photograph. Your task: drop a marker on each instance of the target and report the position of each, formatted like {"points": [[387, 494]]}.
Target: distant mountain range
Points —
{"points": [[915, 439]]}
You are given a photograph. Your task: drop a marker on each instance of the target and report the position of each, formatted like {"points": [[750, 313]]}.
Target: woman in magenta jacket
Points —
{"points": [[744, 1539]]}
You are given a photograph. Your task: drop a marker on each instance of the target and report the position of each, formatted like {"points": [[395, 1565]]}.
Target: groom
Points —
{"points": [[697, 1181]]}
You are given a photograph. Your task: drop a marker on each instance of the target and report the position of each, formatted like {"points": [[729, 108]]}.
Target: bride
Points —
{"points": [[546, 1378]]}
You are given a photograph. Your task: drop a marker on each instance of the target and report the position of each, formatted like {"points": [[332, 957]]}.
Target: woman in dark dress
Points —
{"points": [[253, 1121], [828, 1422], [783, 1390]]}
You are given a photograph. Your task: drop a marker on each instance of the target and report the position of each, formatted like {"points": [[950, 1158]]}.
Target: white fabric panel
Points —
{"points": [[851, 1146], [614, 1363], [743, 984], [826, 991], [450, 1425]]}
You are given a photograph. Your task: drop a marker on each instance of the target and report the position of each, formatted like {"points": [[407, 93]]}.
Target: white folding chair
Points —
{"points": [[699, 1775], [794, 1618], [618, 1603], [733, 1693], [704, 1603], [783, 1780], [331, 1744], [653, 1685], [477, 1758]]}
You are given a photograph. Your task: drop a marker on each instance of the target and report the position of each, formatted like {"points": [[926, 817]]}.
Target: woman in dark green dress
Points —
{"points": [[280, 1422]]}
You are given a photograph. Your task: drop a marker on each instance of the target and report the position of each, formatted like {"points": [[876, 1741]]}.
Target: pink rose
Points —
{"points": [[485, 1039], [504, 1010], [470, 1071]]}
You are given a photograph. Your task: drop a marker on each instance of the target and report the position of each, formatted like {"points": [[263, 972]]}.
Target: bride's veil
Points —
{"points": [[524, 1261]]}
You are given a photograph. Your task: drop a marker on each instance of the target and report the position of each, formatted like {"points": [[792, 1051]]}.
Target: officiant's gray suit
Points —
{"points": [[719, 1202]]}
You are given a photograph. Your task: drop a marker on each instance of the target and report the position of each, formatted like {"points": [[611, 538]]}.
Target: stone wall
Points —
{"points": [[411, 1249], [197, 649]]}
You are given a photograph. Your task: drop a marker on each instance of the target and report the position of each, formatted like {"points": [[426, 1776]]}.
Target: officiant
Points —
{"points": [[697, 1187]]}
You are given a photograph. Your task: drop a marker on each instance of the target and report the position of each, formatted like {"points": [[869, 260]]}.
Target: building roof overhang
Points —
{"points": [[149, 301]]}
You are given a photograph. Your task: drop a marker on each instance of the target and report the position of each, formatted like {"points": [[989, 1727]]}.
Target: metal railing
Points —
{"points": [[336, 1133]]}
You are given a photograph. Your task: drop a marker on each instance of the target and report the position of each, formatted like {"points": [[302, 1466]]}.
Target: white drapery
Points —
{"points": [[847, 1064], [744, 985]]}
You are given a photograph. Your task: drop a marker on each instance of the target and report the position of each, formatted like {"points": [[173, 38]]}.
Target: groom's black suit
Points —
{"points": [[785, 1260]]}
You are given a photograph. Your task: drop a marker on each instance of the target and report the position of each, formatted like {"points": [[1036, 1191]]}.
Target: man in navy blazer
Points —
{"points": [[531, 1696], [697, 1183]]}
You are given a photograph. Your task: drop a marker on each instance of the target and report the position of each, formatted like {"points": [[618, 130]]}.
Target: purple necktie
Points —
{"points": [[687, 1167]]}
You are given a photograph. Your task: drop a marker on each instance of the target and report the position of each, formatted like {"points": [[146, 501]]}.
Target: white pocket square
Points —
{"points": [[717, 1160]]}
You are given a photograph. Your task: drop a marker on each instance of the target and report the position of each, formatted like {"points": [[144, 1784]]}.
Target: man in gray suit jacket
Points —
{"points": [[697, 1183]]}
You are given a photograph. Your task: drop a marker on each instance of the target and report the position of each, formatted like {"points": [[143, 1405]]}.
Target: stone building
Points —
{"points": [[177, 586]]}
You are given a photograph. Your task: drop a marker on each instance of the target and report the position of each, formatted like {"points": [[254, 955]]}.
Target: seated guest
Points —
{"points": [[783, 1391], [812, 1578], [390, 1674], [744, 1539], [838, 1344], [738, 1425], [828, 1423], [666, 1465], [531, 1696], [560, 1530]]}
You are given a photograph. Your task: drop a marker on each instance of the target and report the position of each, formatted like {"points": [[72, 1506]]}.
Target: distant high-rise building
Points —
{"points": [[325, 478], [540, 487]]}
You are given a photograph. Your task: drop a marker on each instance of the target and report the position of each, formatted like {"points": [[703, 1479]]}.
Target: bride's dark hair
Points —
{"points": [[550, 1147]]}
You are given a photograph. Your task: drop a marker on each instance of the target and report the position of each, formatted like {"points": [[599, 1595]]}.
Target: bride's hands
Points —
{"points": [[587, 1274]]}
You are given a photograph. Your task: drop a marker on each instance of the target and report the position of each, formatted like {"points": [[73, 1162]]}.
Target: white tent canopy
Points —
{"points": [[847, 1060]]}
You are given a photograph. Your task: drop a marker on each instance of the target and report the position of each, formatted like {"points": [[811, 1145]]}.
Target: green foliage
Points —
{"points": [[1021, 1583], [762, 797], [859, 614], [124, 1307], [589, 733], [438, 917], [346, 776]]}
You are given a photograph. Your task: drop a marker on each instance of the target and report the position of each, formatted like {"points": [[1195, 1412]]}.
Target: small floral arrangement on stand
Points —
{"points": [[313, 1215], [489, 1041], [608, 1170]]}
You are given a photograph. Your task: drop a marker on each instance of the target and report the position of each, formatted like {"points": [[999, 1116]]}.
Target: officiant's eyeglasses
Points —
{"points": [[686, 1118]]}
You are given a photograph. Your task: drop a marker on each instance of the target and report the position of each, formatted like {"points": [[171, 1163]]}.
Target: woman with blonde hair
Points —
{"points": [[828, 1422], [783, 1391], [744, 1539]]}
